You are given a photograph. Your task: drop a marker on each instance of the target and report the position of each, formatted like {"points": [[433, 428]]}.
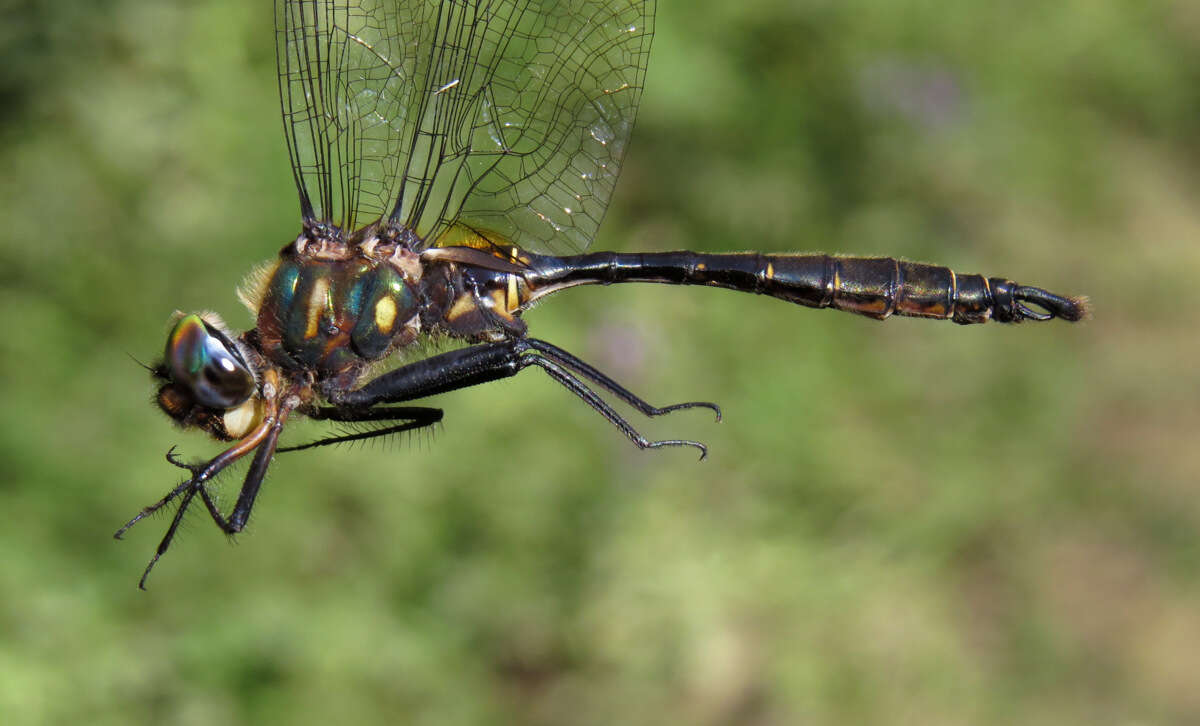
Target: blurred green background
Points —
{"points": [[909, 522]]}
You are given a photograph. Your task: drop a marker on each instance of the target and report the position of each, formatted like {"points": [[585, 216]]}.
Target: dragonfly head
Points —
{"points": [[207, 381]]}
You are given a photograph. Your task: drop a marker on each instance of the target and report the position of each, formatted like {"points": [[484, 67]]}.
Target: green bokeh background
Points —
{"points": [[909, 522]]}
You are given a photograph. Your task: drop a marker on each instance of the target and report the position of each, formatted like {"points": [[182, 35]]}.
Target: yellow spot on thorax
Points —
{"points": [[513, 302], [463, 305], [317, 302], [385, 315], [499, 304]]}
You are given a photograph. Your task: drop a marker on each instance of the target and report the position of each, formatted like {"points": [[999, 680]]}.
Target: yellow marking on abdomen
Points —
{"points": [[316, 305], [770, 270], [385, 315]]}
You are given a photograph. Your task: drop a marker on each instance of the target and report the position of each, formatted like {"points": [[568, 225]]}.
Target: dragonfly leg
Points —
{"points": [[442, 373], [250, 486], [263, 439], [553, 352], [411, 417], [600, 406], [487, 362], [166, 540]]}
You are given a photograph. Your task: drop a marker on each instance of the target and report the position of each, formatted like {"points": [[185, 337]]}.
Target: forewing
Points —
{"points": [[348, 79], [508, 117]]}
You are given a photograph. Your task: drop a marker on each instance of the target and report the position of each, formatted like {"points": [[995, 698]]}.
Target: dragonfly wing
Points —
{"points": [[507, 116]]}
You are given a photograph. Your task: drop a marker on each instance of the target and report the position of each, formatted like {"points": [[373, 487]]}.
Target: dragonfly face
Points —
{"points": [[207, 381], [203, 361], [453, 162]]}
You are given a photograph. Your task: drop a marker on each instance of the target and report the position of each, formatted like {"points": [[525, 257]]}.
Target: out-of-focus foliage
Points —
{"points": [[906, 522]]}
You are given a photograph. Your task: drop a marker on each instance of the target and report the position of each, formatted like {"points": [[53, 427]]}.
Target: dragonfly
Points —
{"points": [[453, 161]]}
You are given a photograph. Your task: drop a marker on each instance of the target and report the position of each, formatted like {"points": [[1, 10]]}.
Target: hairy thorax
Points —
{"points": [[330, 307]]}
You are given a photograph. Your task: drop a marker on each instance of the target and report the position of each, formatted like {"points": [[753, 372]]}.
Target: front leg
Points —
{"points": [[262, 441]]}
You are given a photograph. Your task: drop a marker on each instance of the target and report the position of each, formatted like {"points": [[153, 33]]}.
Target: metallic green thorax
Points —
{"points": [[330, 313]]}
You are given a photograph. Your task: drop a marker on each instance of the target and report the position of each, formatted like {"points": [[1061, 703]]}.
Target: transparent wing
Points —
{"points": [[508, 117]]}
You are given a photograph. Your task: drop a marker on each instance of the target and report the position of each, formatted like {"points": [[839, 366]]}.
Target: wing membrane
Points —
{"points": [[510, 116]]}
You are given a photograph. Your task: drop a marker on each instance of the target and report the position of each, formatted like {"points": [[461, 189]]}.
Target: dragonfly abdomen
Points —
{"points": [[877, 287]]}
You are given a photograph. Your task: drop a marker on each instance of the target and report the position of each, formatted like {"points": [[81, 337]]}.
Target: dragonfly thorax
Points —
{"points": [[329, 307]]}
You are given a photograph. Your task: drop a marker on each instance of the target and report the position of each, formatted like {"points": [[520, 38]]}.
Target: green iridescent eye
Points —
{"points": [[207, 364]]}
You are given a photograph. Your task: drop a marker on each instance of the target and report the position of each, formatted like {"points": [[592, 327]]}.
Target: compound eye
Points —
{"points": [[206, 363]]}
